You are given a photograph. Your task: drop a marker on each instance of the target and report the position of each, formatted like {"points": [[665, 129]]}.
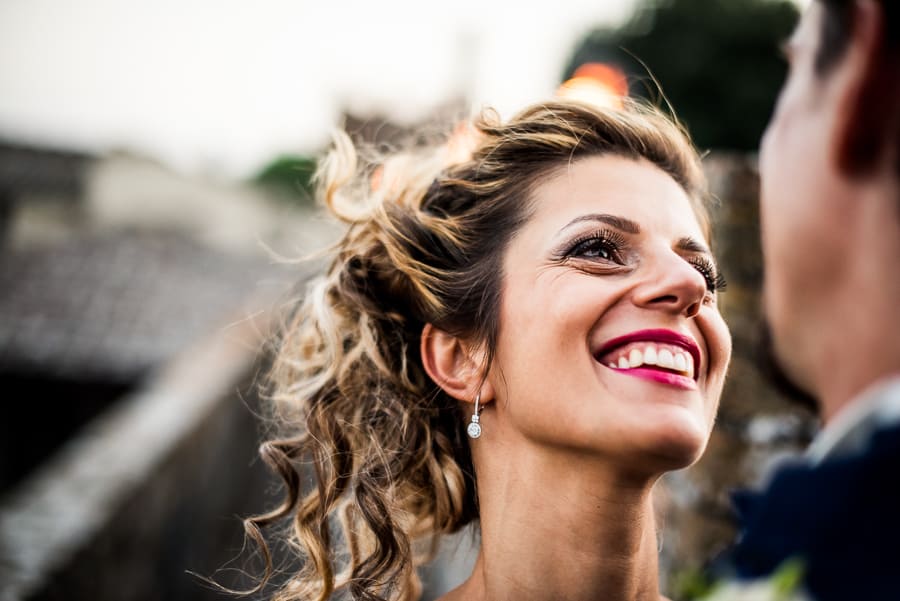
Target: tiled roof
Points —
{"points": [[27, 170], [115, 305]]}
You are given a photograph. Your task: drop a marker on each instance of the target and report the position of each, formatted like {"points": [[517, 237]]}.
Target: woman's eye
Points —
{"points": [[715, 281], [594, 249], [596, 246]]}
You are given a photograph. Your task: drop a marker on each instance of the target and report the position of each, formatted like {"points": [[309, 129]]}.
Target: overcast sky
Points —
{"points": [[223, 85]]}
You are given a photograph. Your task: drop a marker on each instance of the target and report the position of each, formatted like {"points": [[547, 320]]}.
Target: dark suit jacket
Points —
{"points": [[840, 517]]}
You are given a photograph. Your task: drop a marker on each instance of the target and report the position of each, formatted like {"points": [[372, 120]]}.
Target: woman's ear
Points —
{"points": [[452, 365]]}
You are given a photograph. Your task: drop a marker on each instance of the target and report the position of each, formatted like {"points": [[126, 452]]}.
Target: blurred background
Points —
{"points": [[154, 169]]}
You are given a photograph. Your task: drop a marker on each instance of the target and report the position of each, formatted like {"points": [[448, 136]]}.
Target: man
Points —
{"points": [[830, 207]]}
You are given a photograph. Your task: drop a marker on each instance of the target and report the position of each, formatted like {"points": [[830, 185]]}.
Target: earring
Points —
{"points": [[474, 427]]}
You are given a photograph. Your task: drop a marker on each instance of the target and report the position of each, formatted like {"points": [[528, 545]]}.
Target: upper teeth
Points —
{"points": [[649, 353]]}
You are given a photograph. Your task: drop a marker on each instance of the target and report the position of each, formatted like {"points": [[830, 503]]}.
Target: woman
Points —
{"points": [[527, 338]]}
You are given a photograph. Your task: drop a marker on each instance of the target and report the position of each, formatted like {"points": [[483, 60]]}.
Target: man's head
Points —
{"points": [[830, 166]]}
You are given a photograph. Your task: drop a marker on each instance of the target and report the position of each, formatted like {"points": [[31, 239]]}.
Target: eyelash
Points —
{"points": [[606, 241], [611, 242], [715, 281]]}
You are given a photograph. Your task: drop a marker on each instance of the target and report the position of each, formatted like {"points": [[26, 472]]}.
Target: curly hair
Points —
{"points": [[424, 244]]}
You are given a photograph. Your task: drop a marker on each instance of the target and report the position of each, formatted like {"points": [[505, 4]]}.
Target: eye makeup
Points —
{"points": [[715, 281], [603, 245], [606, 248]]}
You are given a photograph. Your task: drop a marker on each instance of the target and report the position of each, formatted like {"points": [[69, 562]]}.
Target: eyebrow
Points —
{"points": [[786, 49], [788, 46], [620, 223], [686, 243], [689, 244]]}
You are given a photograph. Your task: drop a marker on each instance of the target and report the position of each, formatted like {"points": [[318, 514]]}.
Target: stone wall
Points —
{"points": [[149, 491]]}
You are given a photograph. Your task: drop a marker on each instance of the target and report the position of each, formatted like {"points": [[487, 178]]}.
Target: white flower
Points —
{"points": [[785, 584], [756, 590]]}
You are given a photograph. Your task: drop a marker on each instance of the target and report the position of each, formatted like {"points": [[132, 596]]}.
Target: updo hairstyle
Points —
{"points": [[424, 243]]}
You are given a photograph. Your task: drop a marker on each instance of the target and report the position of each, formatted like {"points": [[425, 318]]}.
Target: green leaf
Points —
{"points": [[789, 576]]}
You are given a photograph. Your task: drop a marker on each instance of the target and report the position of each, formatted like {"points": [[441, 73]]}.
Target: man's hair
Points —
{"points": [[836, 31], [837, 27]]}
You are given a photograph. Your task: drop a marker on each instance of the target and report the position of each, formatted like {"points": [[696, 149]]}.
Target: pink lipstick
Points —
{"points": [[667, 356]]}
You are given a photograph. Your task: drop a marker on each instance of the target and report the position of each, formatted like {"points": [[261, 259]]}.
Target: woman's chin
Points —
{"points": [[683, 454], [674, 445]]}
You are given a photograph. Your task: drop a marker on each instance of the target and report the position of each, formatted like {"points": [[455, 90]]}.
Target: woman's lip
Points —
{"points": [[655, 335], [664, 377]]}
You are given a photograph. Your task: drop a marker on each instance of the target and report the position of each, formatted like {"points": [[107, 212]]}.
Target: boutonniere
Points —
{"points": [[783, 585]]}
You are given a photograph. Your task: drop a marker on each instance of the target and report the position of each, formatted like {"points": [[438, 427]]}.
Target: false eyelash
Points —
{"points": [[715, 281], [612, 239]]}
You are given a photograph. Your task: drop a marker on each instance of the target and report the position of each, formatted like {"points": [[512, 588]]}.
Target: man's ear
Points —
{"points": [[452, 365], [868, 111]]}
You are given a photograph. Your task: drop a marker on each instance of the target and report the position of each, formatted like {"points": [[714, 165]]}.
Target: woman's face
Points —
{"points": [[610, 339]]}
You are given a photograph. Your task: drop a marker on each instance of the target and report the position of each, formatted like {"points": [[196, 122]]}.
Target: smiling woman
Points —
{"points": [[543, 285]]}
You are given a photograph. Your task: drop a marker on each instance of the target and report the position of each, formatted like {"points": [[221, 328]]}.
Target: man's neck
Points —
{"points": [[858, 343]]}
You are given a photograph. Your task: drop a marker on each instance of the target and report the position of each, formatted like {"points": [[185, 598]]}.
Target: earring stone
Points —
{"points": [[474, 428]]}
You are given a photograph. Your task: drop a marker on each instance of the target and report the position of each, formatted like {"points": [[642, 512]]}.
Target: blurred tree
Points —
{"points": [[289, 177], [717, 61]]}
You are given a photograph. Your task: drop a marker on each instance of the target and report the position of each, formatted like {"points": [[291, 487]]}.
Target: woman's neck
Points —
{"points": [[554, 530]]}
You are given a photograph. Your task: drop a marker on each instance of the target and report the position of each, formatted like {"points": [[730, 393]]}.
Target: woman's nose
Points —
{"points": [[672, 284]]}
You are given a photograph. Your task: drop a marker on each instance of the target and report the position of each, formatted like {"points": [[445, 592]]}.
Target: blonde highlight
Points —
{"points": [[423, 245]]}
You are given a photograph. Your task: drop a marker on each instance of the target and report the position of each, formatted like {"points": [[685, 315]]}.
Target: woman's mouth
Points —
{"points": [[660, 355]]}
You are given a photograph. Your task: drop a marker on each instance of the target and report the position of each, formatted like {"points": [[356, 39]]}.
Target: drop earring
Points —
{"points": [[474, 427]]}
